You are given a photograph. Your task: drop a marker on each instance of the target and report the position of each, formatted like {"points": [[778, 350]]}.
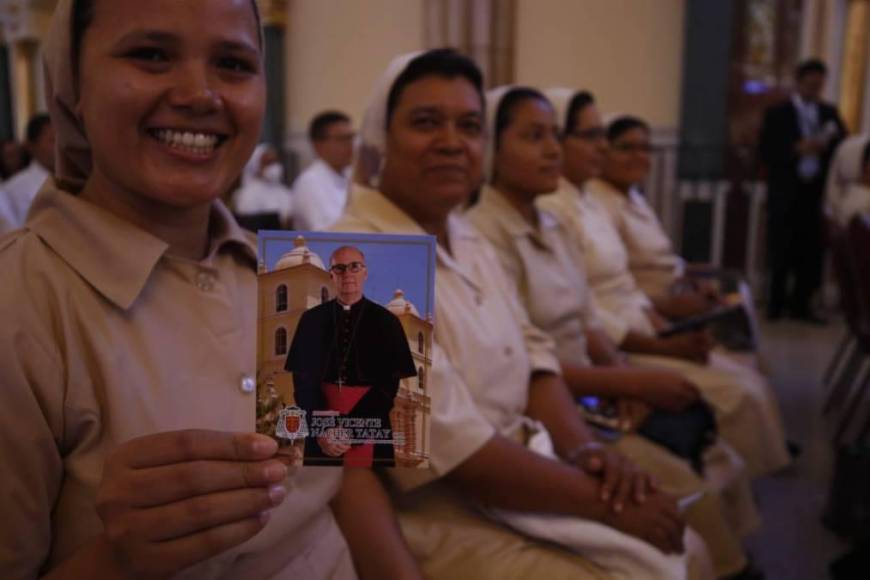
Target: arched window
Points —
{"points": [[421, 378], [421, 343], [324, 294], [281, 298], [281, 341]]}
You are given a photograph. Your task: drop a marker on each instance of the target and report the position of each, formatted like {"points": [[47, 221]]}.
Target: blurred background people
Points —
{"points": [[798, 138], [18, 191], [263, 196], [13, 158], [320, 192], [845, 170]]}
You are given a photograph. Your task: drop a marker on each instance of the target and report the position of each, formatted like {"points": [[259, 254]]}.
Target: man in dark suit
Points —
{"points": [[798, 138], [347, 358]]}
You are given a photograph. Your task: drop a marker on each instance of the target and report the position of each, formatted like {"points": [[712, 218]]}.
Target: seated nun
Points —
{"points": [[524, 162], [677, 290], [519, 486], [746, 410], [673, 286], [127, 361]]}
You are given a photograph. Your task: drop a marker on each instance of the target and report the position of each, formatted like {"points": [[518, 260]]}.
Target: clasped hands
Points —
{"points": [[635, 505]]}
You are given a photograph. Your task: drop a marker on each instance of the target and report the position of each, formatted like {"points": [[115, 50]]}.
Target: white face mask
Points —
{"points": [[273, 173]]}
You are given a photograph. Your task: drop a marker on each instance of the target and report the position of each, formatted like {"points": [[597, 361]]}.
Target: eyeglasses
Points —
{"points": [[341, 137], [590, 134], [353, 267], [632, 147]]}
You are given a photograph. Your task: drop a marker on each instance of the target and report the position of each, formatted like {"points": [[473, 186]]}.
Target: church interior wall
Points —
{"points": [[627, 52], [335, 53]]}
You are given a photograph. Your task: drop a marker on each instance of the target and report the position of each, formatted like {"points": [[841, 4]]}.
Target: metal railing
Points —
{"points": [[711, 201]]}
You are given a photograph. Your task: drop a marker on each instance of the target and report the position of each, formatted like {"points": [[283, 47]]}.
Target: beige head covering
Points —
{"points": [[372, 139], [72, 150], [846, 168], [373, 132], [493, 101], [560, 98]]}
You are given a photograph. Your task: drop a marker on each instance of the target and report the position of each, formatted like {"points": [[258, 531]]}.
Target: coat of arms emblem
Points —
{"points": [[291, 423]]}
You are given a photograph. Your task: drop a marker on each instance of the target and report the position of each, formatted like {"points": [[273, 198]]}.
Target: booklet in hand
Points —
{"points": [[344, 347], [695, 323]]}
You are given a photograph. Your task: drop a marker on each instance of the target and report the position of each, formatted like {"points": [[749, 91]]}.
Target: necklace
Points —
{"points": [[342, 367]]}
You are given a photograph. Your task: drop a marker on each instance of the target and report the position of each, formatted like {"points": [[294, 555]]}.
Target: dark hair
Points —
{"points": [[578, 102], [810, 66], [624, 124], [24, 159], [35, 126], [321, 123], [865, 157], [83, 15], [507, 105], [441, 62]]}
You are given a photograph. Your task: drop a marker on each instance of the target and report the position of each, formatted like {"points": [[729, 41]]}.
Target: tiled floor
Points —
{"points": [[792, 544]]}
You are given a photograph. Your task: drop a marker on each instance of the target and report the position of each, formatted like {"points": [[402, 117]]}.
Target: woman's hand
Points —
{"points": [[693, 346], [667, 390], [632, 413], [656, 521], [335, 442], [620, 479], [173, 499]]}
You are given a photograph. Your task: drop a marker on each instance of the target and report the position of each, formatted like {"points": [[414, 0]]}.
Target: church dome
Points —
{"points": [[300, 254], [399, 305]]}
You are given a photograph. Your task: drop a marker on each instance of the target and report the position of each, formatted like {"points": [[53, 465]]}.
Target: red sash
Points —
{"points": [[343, 399]]}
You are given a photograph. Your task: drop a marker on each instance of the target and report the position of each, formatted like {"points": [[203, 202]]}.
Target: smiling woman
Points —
{"points": [[128, 335], [171, 111]]}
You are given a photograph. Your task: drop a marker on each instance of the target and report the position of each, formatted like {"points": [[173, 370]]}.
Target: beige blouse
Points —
{"points": [[622, 305], [486, 347], [106, 338], [546, 268], [651, 256]]}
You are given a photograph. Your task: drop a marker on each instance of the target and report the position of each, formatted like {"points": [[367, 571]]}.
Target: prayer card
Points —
{"points": [[344, 346]]}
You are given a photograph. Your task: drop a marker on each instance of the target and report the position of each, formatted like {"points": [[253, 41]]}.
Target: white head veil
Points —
{"points": [[372, 138], [72, 149], [493, 102], [845, 169], [560, 98]]}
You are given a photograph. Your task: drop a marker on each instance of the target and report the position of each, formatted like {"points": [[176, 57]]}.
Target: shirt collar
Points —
{"points": [[112, 255], [603, 188], [373, 208], [495, 203], [340, 179], [800, 104]]}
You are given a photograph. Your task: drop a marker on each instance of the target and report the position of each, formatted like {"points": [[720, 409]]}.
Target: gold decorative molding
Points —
{"points": [[854, 64], [273, 12], [482, 29]]}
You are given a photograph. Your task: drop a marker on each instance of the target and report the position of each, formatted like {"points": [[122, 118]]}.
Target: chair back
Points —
{"points": [[844, 275], [858, 240]]}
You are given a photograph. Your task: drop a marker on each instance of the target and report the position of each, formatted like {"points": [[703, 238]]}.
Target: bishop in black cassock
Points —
{"points": [[338, 346]]}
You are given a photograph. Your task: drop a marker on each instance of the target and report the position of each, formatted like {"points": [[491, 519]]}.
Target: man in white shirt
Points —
{"points": [[320, 192], [18, 192]]}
